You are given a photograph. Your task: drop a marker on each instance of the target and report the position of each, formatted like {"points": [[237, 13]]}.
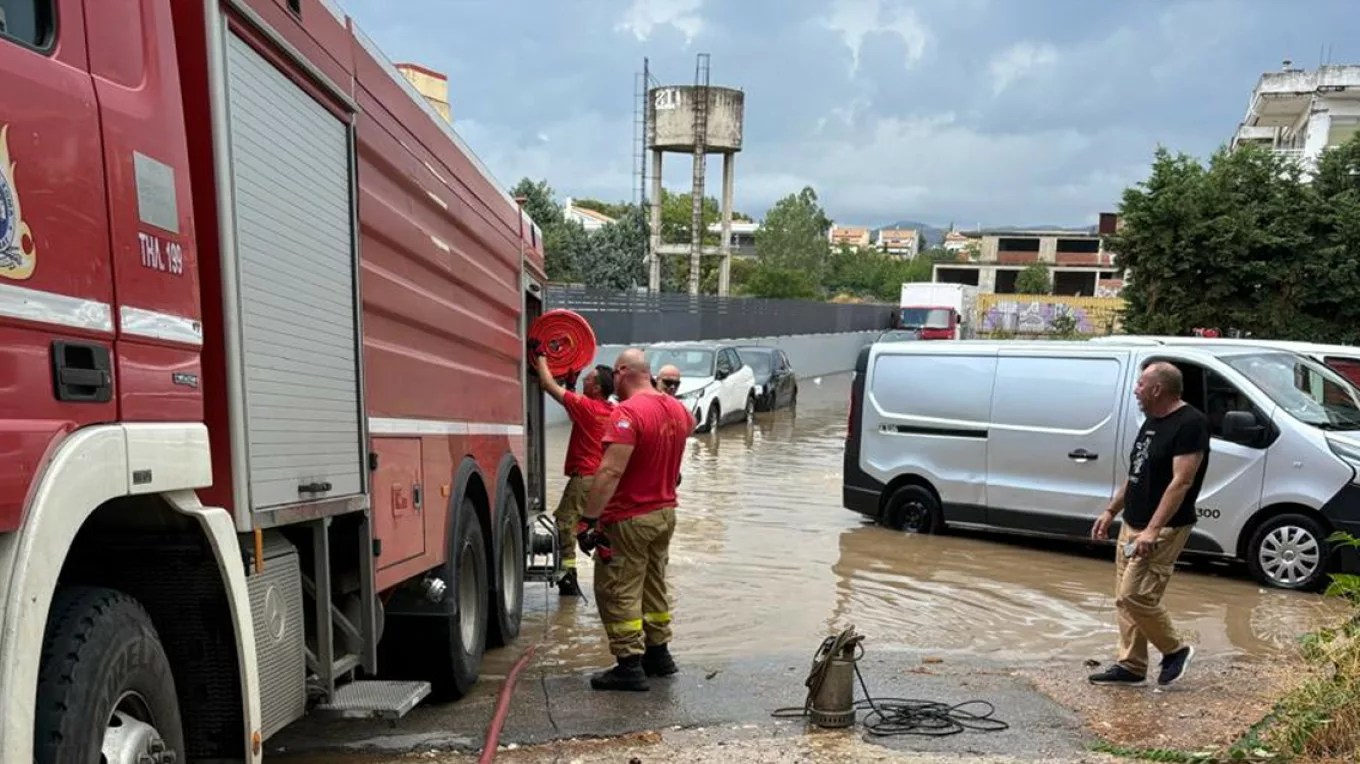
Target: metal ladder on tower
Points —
{"points": [[701, 67]]}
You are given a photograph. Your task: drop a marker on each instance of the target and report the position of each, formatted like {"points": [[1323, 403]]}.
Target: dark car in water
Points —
{"points": [[776, 381]]}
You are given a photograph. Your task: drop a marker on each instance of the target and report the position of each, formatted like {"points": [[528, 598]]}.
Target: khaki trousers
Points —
{"points": [[568, 514], [630, 590], [1139, 583]]}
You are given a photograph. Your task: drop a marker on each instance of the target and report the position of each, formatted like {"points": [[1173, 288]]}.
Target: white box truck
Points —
{"points": [[938, 311]]}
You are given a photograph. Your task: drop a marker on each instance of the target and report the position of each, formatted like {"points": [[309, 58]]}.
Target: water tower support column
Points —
{"points": [[725, 265], [654, 249]]}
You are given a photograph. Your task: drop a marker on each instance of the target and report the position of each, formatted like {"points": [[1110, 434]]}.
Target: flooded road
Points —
{"points": [[765, 560]]}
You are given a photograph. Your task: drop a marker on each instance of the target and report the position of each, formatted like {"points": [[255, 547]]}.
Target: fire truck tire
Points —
{"points": [[105, 690], [507, 606], [462, 643]]}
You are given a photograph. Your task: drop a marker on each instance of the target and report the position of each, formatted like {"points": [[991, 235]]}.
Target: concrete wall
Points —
{"points": [[812, 355]]}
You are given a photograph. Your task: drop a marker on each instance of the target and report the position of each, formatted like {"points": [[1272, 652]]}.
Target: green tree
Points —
{"points": [[792, 248], [616, 253], [566, 244], [562, 246], [1034, 279], [1244, 243]]}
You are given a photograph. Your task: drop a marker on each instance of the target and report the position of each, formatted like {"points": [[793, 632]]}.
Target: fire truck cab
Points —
{"points": [[269, 443]]}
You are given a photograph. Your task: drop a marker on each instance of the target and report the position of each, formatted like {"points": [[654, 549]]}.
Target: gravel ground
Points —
{"points": [[1213, 706]]}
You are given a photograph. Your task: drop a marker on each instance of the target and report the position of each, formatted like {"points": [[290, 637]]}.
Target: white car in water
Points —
{"points": [[716, 384]]}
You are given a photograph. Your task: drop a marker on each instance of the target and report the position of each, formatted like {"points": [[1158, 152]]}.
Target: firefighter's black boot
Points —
{"points": [[626, 675], [567, 586], [658, 661]]}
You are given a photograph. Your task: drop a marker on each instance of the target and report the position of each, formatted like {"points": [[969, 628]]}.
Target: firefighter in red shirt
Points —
{"points": [[589, 415], [629, 520]]}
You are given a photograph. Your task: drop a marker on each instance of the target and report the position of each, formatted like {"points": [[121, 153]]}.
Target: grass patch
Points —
{"points": [[1154, 754], [1320, 719]]}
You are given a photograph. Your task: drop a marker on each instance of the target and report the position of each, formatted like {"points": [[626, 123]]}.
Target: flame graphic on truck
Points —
{"points": [[18, 251]]}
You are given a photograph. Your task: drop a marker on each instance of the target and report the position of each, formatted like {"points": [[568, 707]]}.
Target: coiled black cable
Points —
{"points": [[888, 717]]}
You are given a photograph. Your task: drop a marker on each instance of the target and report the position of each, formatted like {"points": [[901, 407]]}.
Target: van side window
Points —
{"points": [[1218, 398], [28, 22]]}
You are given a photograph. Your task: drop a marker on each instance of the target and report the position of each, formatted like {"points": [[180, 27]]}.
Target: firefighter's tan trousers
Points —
{"points": [[568, 514], [630, 590]]}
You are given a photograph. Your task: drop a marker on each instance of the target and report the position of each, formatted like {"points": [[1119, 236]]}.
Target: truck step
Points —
{"points": [[373, 699]]}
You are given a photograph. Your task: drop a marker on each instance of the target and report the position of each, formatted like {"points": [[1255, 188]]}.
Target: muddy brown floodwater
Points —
{"points": [[766, 560]]}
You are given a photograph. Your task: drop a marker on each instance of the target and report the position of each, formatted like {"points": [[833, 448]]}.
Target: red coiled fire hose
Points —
{"points": [[566, 339]]}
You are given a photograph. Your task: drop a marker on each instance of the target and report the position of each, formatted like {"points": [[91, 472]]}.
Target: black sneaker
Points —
{"points": [[626, 675], [658, 661], [1117, 675], [567, 585], [1174, 665]]}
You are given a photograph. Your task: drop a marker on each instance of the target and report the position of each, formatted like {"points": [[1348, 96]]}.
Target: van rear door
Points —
{"points": [[1051, 449]]}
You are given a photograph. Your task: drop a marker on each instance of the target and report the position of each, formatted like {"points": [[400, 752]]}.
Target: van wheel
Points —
{"points": [[105, 691], [913, 509], [749, 414], [508, 610], [1289, 552]]}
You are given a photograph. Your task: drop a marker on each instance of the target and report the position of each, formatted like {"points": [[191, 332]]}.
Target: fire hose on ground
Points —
{"points": [[831, 699], [493, 733]]}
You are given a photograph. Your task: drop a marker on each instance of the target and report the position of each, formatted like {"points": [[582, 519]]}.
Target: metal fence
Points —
{"points": [[629, 318]]}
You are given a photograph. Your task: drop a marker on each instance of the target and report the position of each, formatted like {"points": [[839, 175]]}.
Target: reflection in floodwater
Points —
{"points": [[766, 560]]}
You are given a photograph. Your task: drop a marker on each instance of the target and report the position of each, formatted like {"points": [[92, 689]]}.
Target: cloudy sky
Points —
{"points": [[998, 112]]}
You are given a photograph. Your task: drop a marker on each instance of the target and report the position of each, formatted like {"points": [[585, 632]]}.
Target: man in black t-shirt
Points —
{"points": [[1166, 471]]}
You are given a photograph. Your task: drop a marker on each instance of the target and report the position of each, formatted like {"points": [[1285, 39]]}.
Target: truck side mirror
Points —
{"points": [[1241, 427]]}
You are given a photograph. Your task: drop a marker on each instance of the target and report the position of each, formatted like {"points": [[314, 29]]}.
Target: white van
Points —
{"points": [[1034, 437], [1343, 359]]}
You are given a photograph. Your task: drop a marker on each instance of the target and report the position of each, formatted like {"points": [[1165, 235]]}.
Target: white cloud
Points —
{"points": [[856, 19], [1019, 61], [643, 16]]}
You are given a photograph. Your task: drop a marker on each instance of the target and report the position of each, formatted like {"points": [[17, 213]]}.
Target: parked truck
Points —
{"points": [[938, 311], [269, 443]]}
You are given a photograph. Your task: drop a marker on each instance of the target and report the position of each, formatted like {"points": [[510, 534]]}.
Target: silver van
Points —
{"points": [[1034, 437], [1342, 359]]}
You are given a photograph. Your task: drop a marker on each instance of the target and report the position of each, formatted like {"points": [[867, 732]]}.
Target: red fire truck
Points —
{"points": [[268, 443]]}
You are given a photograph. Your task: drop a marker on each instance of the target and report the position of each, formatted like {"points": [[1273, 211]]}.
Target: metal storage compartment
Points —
{"points": [[295, 264]]}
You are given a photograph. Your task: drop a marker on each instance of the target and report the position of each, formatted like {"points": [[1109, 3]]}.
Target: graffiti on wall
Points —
{"points": [[1043, 314]]}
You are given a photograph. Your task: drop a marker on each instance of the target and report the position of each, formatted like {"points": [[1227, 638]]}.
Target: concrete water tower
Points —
{"points": [[697, 120]]}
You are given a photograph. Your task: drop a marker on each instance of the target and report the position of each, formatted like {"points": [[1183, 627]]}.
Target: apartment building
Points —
{"points": [[849, 236], [902, 242], [742, 236], [1077, 261], [1299, 113]]}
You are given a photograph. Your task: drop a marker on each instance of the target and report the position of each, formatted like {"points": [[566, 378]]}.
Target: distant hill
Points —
{"points": [[934, 235]]}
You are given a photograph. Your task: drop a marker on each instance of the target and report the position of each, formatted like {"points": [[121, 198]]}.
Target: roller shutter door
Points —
{"points": [[291, 174]]}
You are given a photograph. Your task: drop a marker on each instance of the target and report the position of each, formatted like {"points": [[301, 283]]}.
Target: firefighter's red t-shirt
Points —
{"points": [[656, 426], [589, 418]]}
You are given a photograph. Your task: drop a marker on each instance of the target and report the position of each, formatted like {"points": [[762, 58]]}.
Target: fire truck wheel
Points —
{"points": [[105, 691], [454, 676], [508, 599]]}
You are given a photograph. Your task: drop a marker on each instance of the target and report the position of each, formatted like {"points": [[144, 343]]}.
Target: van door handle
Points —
{"points": [[1082, 455]]}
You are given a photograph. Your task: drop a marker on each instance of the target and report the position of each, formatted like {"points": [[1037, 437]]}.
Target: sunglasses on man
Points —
{"points": [[670, 384]]}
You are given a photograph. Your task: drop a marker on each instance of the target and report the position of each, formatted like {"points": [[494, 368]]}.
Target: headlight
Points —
{"points": [[691, 395]]}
